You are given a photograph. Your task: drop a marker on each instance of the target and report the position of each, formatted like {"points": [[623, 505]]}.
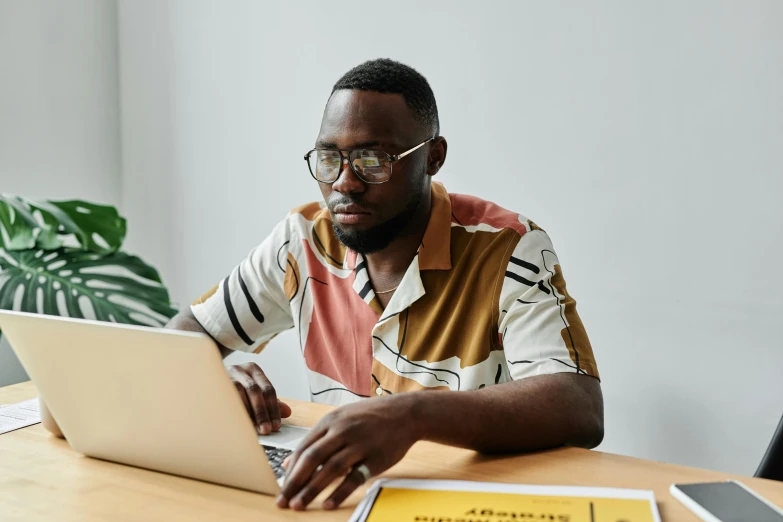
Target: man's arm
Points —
{"points": [[564, 409], [532, 414]]}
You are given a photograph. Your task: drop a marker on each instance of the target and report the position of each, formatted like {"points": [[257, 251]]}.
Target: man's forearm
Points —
{"points": [[186, 321], [532, 414]]}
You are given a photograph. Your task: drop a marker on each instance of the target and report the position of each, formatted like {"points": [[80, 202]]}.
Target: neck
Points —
{"points": [[386, 267]]}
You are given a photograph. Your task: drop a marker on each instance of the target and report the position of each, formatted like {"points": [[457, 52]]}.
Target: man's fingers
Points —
{"points": [[290, 461], [259, 397], [239, 380], [309, 439], [337, 466], [268, 395], [304, 464], [243, 396], [285, 409], [353, 480], [255, 398]]}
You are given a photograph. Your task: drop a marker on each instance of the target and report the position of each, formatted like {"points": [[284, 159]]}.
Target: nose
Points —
{"points": [[347, 181]]}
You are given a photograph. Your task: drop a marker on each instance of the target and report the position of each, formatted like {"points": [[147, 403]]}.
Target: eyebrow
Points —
{"points": [[358, 145]]}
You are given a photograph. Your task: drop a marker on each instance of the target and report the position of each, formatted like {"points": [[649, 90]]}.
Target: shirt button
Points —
{"points": [[378, 391]]}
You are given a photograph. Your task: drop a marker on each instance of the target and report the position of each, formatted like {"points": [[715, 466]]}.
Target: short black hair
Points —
{"points": [[389, 76]]}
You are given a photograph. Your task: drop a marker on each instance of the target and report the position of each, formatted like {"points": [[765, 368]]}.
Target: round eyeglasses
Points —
{"points": [[371, 166]]}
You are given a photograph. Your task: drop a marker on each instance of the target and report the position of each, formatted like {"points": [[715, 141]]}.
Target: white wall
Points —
{"points": [[645, 137], [59, 111]]}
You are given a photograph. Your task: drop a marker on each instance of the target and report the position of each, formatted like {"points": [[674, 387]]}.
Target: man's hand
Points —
{"points": [[375, 432], [259, 397]]}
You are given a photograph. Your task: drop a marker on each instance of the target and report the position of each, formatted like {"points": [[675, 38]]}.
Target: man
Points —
{"points": [[396, 289]]}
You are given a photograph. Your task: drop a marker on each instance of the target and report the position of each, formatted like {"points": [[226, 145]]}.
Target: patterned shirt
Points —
{"points": [[483, 302]]}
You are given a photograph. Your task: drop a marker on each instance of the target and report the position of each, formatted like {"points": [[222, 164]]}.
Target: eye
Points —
{"points": [[329, 159], [374, 165]]}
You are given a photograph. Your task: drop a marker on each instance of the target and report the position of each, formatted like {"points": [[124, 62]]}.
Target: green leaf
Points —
{"points": [[17, 224], [53, 224], [113, 287]]}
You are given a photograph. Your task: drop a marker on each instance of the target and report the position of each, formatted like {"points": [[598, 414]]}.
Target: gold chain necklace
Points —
{"points": [[387, 291]]}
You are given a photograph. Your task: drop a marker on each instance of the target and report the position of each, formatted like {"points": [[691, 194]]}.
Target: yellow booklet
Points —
{"points": [[459, 501]]}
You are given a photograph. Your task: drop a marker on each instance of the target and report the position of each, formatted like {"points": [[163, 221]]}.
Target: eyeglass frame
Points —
{"points": [[345, 158]]}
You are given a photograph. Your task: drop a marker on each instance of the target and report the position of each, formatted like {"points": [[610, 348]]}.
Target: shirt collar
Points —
{"points": [[435, 249]]}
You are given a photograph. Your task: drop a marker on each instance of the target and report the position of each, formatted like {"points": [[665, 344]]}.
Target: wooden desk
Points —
{"points": [[41, 478]]}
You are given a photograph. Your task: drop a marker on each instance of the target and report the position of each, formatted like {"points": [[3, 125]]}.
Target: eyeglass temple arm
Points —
{"points": [[414, 149]]}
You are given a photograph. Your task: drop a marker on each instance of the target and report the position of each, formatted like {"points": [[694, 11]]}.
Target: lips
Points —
{"points": [[351, 214]]}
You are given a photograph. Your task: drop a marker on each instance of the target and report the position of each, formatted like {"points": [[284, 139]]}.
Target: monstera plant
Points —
{"points": [[63, 258]]}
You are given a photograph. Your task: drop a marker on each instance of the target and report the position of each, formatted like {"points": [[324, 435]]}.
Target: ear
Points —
{"points": [[437, 155]]}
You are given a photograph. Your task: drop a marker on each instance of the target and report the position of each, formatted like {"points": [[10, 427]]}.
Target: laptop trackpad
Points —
{"points": [[288, 437]]}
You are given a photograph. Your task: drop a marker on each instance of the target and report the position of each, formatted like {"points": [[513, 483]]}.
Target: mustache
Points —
{"points": [[345, 201]]}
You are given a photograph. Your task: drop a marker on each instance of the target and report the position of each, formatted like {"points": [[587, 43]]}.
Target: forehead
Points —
{"points": [[354, 117]]}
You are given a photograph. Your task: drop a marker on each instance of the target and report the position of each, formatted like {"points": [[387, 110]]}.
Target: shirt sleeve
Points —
{"points": [[249, 306], [539, 327]]}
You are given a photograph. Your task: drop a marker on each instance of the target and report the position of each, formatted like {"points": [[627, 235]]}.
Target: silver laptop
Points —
{"points": [[148, 397]]}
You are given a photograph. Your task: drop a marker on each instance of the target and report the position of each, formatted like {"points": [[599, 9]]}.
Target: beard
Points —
{"points": [[380, 236]]}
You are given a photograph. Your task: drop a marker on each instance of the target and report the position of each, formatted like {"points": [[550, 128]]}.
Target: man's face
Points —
{"points": [[368, 217]]}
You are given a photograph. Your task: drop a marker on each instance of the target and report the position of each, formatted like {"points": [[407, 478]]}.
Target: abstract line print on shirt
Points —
{"points": [[572, 332], [291, 273], [330, 316], [426, 369], [226, 284], [395, 370]]}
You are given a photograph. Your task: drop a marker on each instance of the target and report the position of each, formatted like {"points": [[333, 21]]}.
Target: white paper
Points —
{"points": [[521, 489], [19, 415]]}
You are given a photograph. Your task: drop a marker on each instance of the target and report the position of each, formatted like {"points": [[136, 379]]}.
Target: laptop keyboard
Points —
{"points": [[276, 456]]}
